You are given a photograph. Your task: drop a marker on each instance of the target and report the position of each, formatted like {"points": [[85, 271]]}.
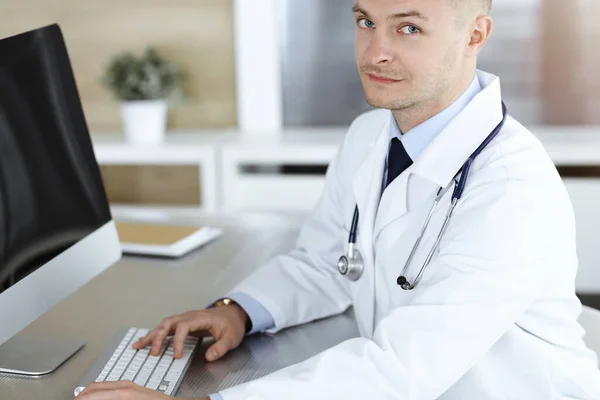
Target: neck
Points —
{"points": [[413, 116]]}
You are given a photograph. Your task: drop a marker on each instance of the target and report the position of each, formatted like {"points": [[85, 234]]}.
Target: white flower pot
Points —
{"points": [[144, 121]]}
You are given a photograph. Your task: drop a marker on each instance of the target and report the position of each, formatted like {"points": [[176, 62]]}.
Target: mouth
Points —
{"points": [[382, 79]]}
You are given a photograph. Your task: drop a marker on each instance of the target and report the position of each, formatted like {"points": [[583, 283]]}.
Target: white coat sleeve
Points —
{"points": [[304, 284], [497, 253]]}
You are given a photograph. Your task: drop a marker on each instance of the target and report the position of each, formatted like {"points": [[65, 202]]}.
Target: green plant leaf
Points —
{"points": [[147, 77]]}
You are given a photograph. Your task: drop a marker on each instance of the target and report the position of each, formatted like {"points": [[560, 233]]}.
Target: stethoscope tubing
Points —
{"points": [[457, 193]]}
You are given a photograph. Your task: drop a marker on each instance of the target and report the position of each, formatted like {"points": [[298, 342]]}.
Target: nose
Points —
{"points": [[379, 49]]}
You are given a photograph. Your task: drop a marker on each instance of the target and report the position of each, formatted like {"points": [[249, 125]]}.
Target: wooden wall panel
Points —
{"points": [[197, 33], [152, 185]]}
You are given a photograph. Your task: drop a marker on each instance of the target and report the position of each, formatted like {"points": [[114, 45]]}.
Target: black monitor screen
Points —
{"points": [[51, 191]]}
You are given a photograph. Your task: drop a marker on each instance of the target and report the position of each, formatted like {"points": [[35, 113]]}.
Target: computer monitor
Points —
{"points": [[56, 229]]}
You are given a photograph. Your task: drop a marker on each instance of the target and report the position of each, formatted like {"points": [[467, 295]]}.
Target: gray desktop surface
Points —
{"points": [[140, 291]]}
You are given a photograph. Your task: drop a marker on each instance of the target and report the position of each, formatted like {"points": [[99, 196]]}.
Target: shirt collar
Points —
{"points": [[418, 138]]}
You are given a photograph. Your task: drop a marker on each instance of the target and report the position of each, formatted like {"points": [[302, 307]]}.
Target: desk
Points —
{"points": [[139, 292]]}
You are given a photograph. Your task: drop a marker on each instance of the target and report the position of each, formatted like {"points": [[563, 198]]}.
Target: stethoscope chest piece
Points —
{"points": [[351, 265]]}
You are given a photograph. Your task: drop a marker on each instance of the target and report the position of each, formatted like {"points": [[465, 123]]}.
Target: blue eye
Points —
{"points": [[410, 30], [365, 23]]}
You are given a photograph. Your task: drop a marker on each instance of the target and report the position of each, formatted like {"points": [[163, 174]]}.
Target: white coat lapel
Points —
{"points": [[367, 189], [444, 157], [393, 204]]}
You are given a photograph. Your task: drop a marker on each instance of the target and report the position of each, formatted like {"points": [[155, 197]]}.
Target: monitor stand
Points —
{"points": [[35, 356]]}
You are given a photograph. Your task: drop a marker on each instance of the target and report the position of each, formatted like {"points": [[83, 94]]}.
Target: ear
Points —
{"points": [[480, 33]]}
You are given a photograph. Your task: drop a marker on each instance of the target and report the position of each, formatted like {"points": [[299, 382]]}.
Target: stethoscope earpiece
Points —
{"points": [[403, 283]]}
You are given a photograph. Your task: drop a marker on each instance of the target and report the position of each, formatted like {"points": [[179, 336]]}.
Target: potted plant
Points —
{"points": [[145, 86]]}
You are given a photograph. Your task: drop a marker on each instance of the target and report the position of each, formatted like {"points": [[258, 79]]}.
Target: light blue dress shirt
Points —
{"points": [[415, 141]]}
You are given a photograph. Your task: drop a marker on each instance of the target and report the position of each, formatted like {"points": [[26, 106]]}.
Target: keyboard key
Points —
{"points": [[126, 357], [177, 367], [159, 373], [136, 365], [162, 372], [116, 355], [149, 366]]}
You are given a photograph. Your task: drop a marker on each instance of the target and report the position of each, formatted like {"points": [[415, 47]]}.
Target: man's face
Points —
{"points": [[408, 52]]}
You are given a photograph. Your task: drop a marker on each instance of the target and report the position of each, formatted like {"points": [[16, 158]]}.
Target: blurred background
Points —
{"points": [[270, 86], [543, 50]]}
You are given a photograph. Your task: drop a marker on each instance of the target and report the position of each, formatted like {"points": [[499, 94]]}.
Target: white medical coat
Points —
{"points": [[495, 315]]}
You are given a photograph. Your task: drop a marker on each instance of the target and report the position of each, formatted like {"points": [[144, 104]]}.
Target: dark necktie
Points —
{"points": [[398, 160]]}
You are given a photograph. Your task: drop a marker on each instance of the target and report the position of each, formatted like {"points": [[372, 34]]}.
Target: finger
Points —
{"points": [[148, 339], [145, 341], [182, 331], [102, 386], [166, 327], [111, 394], [220, 348], [197, 322], [98, 395]]}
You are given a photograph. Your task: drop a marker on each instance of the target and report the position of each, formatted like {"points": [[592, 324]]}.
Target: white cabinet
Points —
{"points": [[180, 149], [585, 196], [254, 170]]}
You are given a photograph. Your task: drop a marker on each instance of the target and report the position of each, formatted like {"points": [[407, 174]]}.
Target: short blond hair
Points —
{"points": [[466, 10], [478, 6], [486, 5]]}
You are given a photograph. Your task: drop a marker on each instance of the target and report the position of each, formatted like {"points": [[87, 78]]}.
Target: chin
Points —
{"points": [[389, 101], [384, 102]]}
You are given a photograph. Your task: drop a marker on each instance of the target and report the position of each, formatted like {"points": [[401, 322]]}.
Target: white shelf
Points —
{"points": [[565, 145], [184, 144], [179, 148]]}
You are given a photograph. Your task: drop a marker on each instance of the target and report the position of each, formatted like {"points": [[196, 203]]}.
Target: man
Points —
{"points": [[494, 315]]}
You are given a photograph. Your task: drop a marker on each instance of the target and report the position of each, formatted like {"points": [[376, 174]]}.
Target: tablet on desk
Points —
{"points": [[163, 240]]}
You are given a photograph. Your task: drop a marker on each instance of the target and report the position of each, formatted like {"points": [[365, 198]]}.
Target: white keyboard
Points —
{"points": [[162, 373]]}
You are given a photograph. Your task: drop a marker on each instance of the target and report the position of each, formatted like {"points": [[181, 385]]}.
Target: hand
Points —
{"points": [[122, 390], [226, 324]]}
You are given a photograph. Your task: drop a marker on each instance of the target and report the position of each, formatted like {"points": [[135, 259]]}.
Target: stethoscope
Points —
{"points": [[352, 266]]}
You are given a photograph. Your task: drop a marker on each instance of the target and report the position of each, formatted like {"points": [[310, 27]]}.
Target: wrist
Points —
{"points": [[243, 315], [238, 311]]}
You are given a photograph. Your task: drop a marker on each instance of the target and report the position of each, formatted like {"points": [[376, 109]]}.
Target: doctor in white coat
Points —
{"points": [[495, 313]]}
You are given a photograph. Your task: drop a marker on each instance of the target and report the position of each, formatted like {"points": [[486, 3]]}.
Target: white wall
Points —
{"points": [[258, 67]]}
